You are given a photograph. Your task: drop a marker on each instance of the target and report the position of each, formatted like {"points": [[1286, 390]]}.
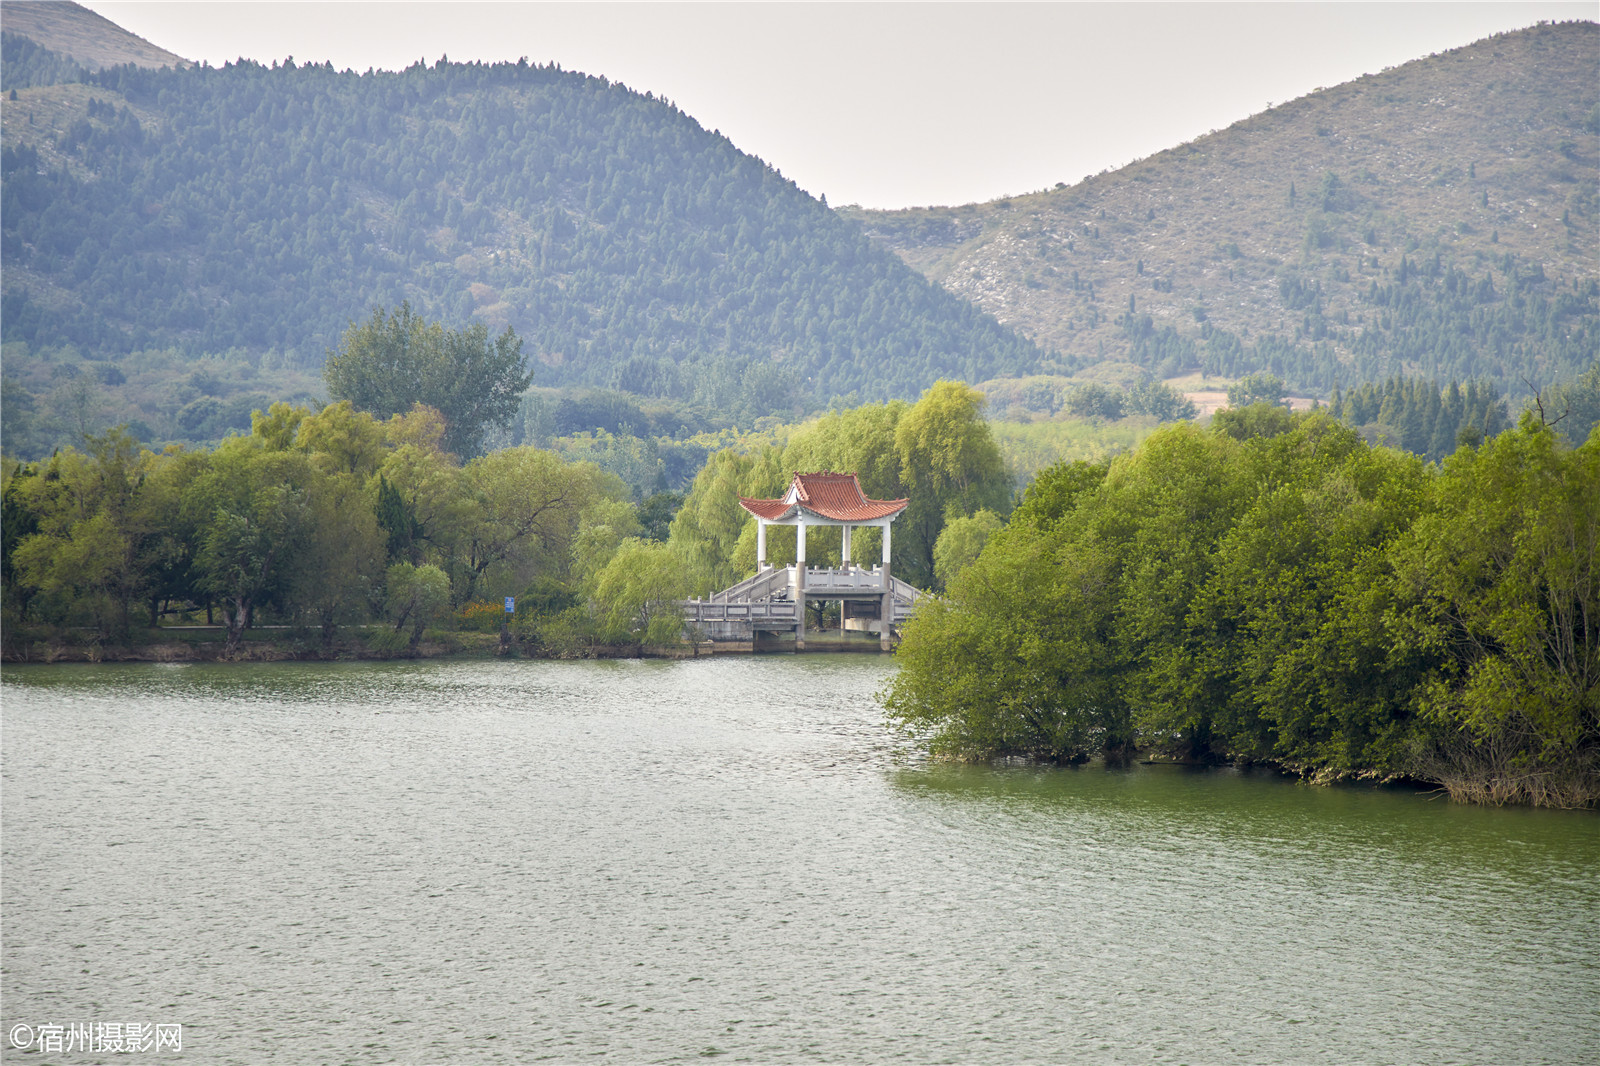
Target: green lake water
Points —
{"points": [[733, 860]]}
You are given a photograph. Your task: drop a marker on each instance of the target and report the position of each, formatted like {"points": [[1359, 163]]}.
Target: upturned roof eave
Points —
{"points": [[792, 511]]}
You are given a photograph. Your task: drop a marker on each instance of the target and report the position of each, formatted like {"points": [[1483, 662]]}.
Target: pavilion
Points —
{"points": [[823, 499], [775, 597]]}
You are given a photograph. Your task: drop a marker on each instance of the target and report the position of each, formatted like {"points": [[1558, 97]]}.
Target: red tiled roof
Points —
{"points": [[827, 495], [771, 510]]}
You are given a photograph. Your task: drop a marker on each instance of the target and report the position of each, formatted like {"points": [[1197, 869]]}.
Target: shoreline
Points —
{"points": [[200, 646]]}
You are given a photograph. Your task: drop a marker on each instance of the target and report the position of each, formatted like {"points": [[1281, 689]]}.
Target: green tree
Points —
{"points": [[527, 507], [342, 565], [637, 593], [1508, 574], [1575, 407], [87, 550], [1056, 491], [707, 528], [434, 512], [1299, 598], [1016, 659], [417, 595], [169, 545], [949, 462], [605, 525], [960, 543], [1255, 420], [341, 439], [18, 521], [398, 522], [657, 512], [253, 507], [395, 360], [1162, 511], [1290, 627], [1260, 387], [1161, 402], [1096, 401]]}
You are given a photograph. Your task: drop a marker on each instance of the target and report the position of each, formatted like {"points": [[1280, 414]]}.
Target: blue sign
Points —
{"points": [[511, 604]]}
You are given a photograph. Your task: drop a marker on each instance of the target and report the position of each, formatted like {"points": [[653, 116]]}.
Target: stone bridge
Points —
{"points": [[774, 600]]}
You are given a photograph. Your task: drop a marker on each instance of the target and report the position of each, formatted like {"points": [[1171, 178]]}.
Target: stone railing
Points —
{"points": [[904, 591], [821, 580], [704, 611], [761, 586]]}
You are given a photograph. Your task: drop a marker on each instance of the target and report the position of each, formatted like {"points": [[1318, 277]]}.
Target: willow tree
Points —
{"points": [[254, 509], [939, 452], [950, 465]]}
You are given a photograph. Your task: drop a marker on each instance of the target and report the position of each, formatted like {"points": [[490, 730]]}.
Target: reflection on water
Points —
{"points": [[651, 861]]}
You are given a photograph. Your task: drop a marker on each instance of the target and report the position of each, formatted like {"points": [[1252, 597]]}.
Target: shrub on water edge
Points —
{"points": [[386, 642], [567, 634]]}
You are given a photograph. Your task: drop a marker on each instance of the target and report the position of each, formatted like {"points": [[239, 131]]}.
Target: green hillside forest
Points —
{"points": [[193, 232], [1440, 219], [183, 245]]}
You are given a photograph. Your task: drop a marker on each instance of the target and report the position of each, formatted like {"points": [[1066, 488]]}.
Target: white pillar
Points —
{"points": [[845, 561], [800, 582], [761, 544], [886, 612]]}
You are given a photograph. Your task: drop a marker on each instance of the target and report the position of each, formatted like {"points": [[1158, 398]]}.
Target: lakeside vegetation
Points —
{"points": [[322, 520], [1400, 584], [314, 519], [1268, 589], [1275, 590], [386, 506]]}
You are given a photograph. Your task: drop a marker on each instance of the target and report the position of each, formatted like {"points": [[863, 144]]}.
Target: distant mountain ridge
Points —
{"points": [[257, 210], [1439, 218], [194, 239], [88, 39]]}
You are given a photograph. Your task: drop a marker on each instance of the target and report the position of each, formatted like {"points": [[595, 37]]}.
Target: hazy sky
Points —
{"points": [[887, 105]]}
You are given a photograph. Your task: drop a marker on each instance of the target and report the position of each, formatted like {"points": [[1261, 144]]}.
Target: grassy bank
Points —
{"points": [[177, 644]]}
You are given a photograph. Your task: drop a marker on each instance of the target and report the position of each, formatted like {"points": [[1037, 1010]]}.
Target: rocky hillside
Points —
{"points": [[1439, 218], [88, 39]]}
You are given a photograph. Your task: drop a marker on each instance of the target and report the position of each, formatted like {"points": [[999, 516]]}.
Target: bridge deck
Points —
{"points": [[769, 600]]}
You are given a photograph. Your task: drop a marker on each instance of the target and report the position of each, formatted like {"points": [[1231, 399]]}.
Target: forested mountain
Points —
{"points": [[1439, 218], [254, 212], [184, 244]]}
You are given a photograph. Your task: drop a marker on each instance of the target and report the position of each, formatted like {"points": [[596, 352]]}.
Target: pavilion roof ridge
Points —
{"points": [[827, 494]]}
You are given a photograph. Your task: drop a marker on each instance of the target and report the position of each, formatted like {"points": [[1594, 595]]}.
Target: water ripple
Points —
{"points": [[730, 858]]}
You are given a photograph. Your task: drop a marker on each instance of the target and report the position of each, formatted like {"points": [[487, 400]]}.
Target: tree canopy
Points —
{"points": [[396, 360], [1292, 596], [937, 452], [315, 518]]}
